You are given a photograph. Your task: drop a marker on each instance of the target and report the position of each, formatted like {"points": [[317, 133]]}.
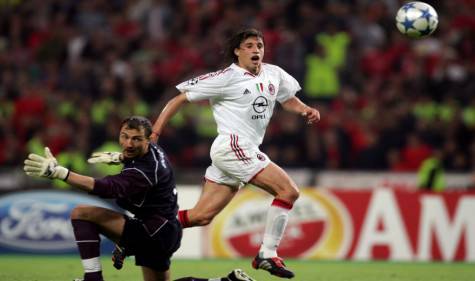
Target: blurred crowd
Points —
{"points": [[70, 71]]}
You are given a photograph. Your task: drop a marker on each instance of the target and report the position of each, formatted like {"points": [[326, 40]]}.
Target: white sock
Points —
{"points": [[277, 218], [91, 265]]}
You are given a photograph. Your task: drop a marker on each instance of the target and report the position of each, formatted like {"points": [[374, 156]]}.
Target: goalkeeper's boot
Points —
{"points": [[239, 275], [274, 265], [118, 257]]}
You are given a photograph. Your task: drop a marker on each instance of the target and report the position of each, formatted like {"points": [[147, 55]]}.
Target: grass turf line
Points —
{"points": [[61, 268]]}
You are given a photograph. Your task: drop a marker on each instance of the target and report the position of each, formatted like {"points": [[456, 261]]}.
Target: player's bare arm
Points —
{"points": [[85, 183], [294, 104], [167, 113]]}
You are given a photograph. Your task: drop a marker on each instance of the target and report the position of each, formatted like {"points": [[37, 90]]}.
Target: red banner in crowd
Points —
{"points": [[357, 225]]}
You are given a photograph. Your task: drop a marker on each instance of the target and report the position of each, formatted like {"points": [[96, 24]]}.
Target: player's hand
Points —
{"points": [[39, 166], [311, 114], [111, 158]]}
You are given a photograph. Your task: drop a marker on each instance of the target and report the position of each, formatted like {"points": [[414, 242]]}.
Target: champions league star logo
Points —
{"points": [[193, 81], [260, 104]]}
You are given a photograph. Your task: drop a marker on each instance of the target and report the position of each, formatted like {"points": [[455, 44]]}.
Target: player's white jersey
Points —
{"points": [[242, 102]]}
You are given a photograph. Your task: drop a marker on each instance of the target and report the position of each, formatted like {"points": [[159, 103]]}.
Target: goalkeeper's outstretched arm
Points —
{"points": [[85, 183], [47, 166]]}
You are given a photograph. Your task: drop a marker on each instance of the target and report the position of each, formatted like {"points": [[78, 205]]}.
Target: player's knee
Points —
{"points": [[289, 194], [293, 194], [80, 212]]}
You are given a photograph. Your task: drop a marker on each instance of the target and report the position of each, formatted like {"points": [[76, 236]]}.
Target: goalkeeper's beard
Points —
{"points": [[134, 152], [131, 153]]}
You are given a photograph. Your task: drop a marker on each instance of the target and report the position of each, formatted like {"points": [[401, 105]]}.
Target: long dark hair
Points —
{"points": [[237, 38]]}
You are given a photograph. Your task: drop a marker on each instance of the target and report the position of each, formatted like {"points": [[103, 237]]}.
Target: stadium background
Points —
{"points": [[398, 115]]}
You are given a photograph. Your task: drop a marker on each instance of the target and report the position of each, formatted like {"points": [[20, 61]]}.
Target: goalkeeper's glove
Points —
{"points": [[111, 158], [39, 166]]}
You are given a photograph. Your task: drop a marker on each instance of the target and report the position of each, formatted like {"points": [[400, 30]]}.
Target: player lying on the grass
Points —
{"points": [[145, 187], [235, 275]]}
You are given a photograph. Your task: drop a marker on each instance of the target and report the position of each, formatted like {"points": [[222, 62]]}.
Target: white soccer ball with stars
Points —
{"points": [[416, 19]]}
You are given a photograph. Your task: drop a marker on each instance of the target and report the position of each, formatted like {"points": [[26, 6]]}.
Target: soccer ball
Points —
{"points": [[416, 19]]}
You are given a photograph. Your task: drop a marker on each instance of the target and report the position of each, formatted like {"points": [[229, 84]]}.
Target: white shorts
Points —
{"points": [[235, 161]]}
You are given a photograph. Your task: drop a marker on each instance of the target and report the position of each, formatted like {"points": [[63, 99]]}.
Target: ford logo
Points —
{"points": [[38, 221]]}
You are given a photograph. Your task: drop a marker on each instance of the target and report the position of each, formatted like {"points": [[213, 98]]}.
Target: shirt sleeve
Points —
{"points": [[206, 86], [128, 184], [288, 86]]}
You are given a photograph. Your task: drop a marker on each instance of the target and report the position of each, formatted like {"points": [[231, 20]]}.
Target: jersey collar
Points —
{"points": [[244, 71]]}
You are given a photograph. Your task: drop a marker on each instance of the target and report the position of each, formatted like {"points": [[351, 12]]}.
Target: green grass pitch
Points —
{"points": [[66, 268]]}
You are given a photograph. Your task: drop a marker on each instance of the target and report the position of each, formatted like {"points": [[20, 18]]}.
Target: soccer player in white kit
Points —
{"points": [[242, 98]]}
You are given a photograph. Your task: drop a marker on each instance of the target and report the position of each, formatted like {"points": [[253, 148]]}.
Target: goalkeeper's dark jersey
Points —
{"points": [[145, 186]]}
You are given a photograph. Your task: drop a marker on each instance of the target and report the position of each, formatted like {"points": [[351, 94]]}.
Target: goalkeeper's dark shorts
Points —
{"points": [[152, 241]]}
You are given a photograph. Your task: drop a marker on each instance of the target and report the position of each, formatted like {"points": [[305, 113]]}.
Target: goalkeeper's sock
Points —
{"points": [[183, 218], [88, 241], [277, 218]]}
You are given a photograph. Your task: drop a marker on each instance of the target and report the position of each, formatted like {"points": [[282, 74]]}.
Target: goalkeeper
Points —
{"points": [[145, 187]]}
